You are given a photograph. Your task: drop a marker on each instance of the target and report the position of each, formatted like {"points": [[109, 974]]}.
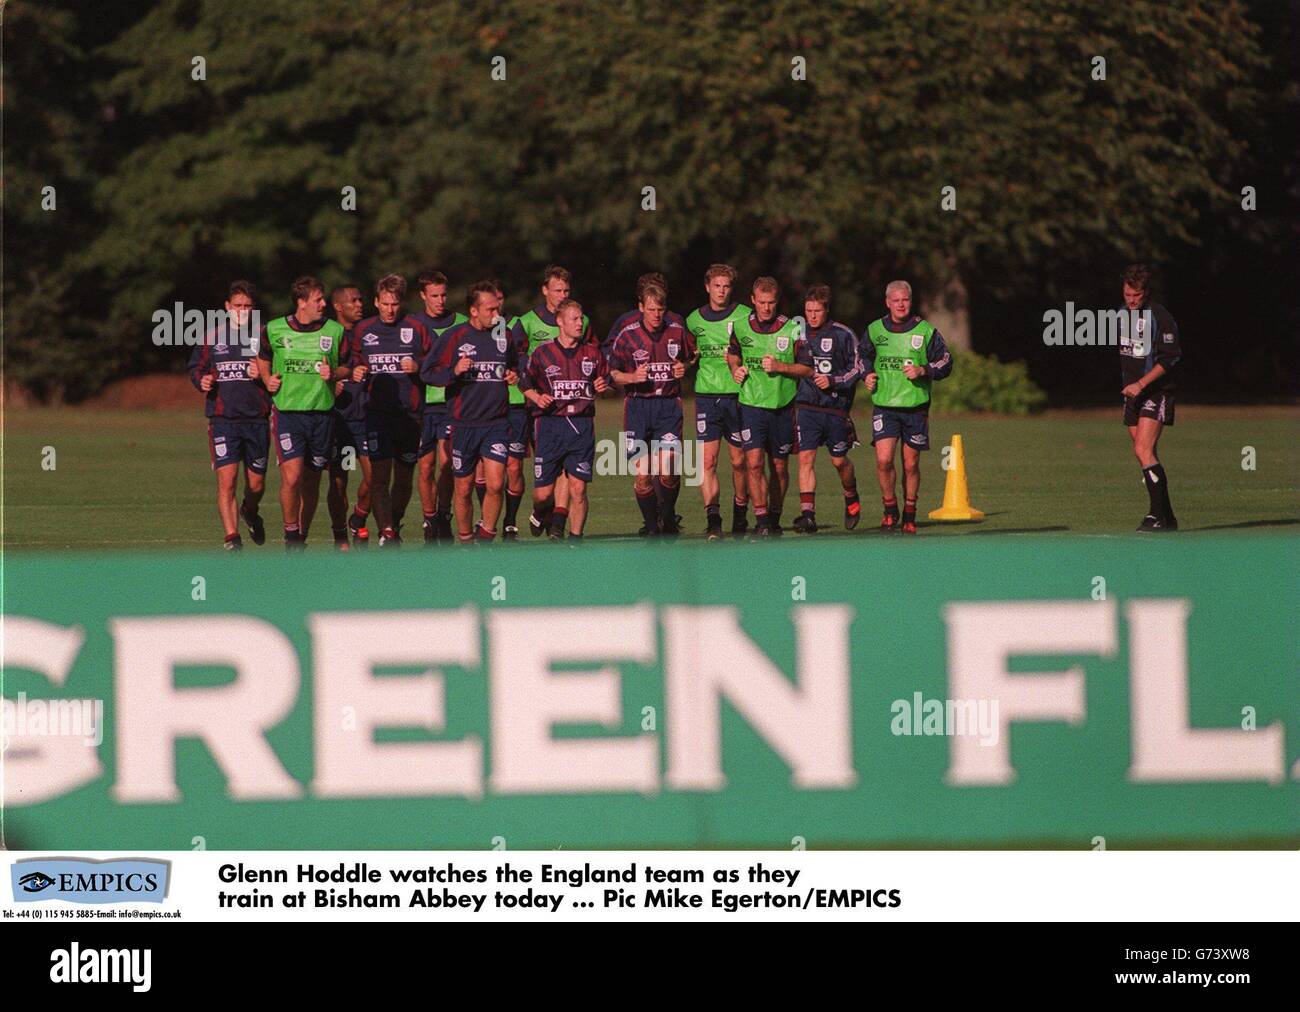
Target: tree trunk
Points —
{"points": [[949, 310]]}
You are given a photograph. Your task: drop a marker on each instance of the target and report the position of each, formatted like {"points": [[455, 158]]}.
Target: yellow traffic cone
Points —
{"points": [[956, 498]]}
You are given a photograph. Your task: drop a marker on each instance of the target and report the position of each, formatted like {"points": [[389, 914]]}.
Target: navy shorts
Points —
{"points": [[349, 432], [768, 429], [435, 426], [912, 427], [717, 416], [814, 428], [1157, 406], [244, 441], [562, 444], [306, 434], [472, 443], [648, 420], [520, 430], [390, 436]]}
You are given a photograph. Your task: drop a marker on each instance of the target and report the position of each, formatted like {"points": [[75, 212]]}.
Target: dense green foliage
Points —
{"points": [[982, 383], [170, 186]]}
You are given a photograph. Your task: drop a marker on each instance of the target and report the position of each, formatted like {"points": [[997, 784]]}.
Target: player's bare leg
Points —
{"points": [[756, 470], [480, 481], [543, 507], [577, 491], [291, 478], [227, 482], [849, 483], [711, 487], [336, 499], [428, 486], [463, 499], [911, 488], [494, 474], [1146, 440], [560, 508], [381, 472], [309, 493], [888, 477], [403, 480], [806, 521], [254, 489], [361, 511]]}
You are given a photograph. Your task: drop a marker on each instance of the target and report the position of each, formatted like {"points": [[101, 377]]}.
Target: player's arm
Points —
{"points": [[602, 382], [938, 361], [438, 368], [735, 357], [201, 368], [532, 382], [266, 356], [854, 370], [518, 341], [351, 359], [516, 356], [800, 368], [619, 360], [1168, 352], [867, 352], [692, 349], [337, 369]]}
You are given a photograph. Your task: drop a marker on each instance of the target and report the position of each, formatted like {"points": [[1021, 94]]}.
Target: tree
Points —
{"points": [[810, 142]]}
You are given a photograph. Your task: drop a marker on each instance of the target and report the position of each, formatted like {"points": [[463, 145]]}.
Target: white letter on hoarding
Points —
{"points": [[982, 635], [708, 658], [1165, 748], [230, 719], [528, 698], [346, 648], [38, 767]]}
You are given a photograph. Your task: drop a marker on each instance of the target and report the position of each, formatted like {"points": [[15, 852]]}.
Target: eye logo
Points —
{"points": [[35, 881]]}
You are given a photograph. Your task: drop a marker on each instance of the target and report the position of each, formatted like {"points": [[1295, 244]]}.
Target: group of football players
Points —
{"points": [[460, 400]]}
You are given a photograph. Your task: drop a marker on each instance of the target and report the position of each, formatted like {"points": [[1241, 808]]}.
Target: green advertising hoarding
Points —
{"points": [[990, 691]]}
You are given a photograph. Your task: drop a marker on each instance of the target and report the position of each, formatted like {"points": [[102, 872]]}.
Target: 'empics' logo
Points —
{"points": [[77, 880], [34, 882]]}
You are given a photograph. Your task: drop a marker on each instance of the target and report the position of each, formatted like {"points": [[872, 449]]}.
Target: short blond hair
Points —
{"points": [[652, 291], [895, 286]]}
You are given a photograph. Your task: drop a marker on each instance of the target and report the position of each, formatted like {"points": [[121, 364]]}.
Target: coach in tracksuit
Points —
{"points": [[822, 408], [477, 363]]}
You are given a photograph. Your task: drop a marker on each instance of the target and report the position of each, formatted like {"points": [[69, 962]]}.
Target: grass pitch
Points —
{"points": [[140, 480]]}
